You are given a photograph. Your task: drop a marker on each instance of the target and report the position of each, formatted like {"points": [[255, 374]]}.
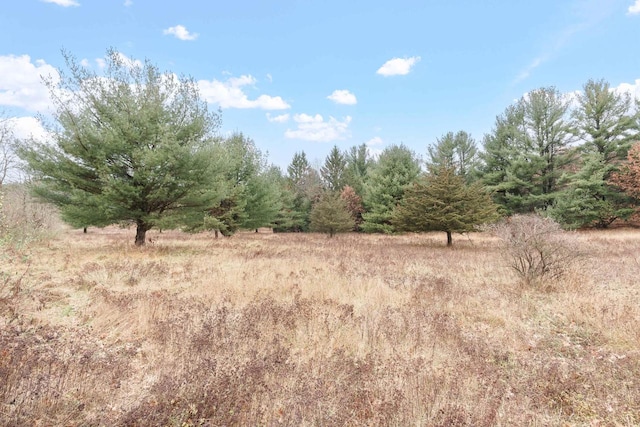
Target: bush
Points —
{"points": [[23, 219], [535, 247]]}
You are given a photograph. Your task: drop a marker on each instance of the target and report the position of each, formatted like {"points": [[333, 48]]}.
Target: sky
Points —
{"points": [[305, 75]]}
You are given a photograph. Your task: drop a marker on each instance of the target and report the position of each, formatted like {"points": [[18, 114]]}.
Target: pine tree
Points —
{"points": [[606, 125], [333, 171], [330, 215], [454, 150], [358, 165], [132, 145], [528, 151], [396, 169], [443, 201]]}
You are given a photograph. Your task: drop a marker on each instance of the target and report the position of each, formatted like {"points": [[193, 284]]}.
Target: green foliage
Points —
{"points": [[331, 215], [132, 145], [606, 125], [527, 151], [396, 169], [333, 171], [305, 184], [458, 151], [251, 188], [605, 120], [358, 165], [590, 199], [443, 201]]}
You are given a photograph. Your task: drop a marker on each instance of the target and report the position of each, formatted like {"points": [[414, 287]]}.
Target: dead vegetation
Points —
{"points": [[298, 329]]}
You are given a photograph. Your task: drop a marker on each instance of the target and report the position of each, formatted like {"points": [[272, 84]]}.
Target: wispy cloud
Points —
{"points": [[315, 128], [180, 32], [587, 14], [230, 94], [634, 9], [282, 118], [63, 3], [343, 97], [398, 66]]}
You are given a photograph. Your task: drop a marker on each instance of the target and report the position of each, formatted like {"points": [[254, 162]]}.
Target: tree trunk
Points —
{"points": [[141, 232], [84, 230], [449, 239]]}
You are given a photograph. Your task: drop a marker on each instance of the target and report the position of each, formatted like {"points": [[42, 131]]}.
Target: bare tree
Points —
{"points": [[7, 157]]}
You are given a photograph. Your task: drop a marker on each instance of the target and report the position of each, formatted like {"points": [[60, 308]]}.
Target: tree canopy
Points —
{"points": [[132, 145], [443, 201]]}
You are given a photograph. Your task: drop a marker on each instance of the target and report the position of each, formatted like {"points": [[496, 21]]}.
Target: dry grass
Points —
{"points": [[293, 329]]}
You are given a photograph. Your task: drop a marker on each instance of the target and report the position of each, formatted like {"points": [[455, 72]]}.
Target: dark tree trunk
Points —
{"points": [[449, 239], [141, 232], [84, 230]]}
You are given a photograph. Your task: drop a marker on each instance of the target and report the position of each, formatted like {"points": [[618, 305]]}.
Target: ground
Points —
{"points": [[299, 329]]}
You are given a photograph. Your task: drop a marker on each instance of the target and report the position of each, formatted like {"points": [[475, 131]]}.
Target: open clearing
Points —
{"points": [[299, 329]]}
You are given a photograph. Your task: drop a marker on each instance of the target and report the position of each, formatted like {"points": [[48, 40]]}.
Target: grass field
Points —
{"points": [[301, 330]]}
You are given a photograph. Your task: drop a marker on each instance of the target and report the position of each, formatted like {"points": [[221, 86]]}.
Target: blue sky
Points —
{"points": [[306, 75]]}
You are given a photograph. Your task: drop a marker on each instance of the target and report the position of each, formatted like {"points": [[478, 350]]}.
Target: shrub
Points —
{"points": [[23, 219], [536, 247]]}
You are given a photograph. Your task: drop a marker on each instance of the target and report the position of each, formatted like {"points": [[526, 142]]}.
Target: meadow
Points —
{"points": [[267, 329]]}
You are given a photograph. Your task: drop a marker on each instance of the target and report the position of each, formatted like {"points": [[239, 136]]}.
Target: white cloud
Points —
{"points": [[229, 94], [634, 9], [21, 82], [180, 32], [63, 3], [632, 89], [373, 146], [524, 74], [28, 127], [128, 3], [374, 141], [282, 118], [398, 66], [128, 62], [101, 62], [314, 128], [343, 97], [85, 63]]}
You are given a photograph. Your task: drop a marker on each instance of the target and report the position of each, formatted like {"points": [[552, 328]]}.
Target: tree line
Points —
{"points": [[136, 145]]}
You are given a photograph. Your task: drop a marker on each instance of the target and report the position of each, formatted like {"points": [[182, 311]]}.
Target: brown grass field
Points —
{"points": [[302, 330]]}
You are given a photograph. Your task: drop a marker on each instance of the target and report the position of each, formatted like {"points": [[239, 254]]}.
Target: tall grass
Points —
{"points": [[298, 329]]}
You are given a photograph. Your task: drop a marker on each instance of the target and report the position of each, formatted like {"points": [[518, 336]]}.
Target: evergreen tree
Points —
{"points": [[502, 147], [454, 150], [605, 121], [333, 171], [606, 125], [130, 146], [330, 215], [443, 201], [358, 164], [590, 199], [397, 168], [528, 151], [306, 185], [253, 194]]}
